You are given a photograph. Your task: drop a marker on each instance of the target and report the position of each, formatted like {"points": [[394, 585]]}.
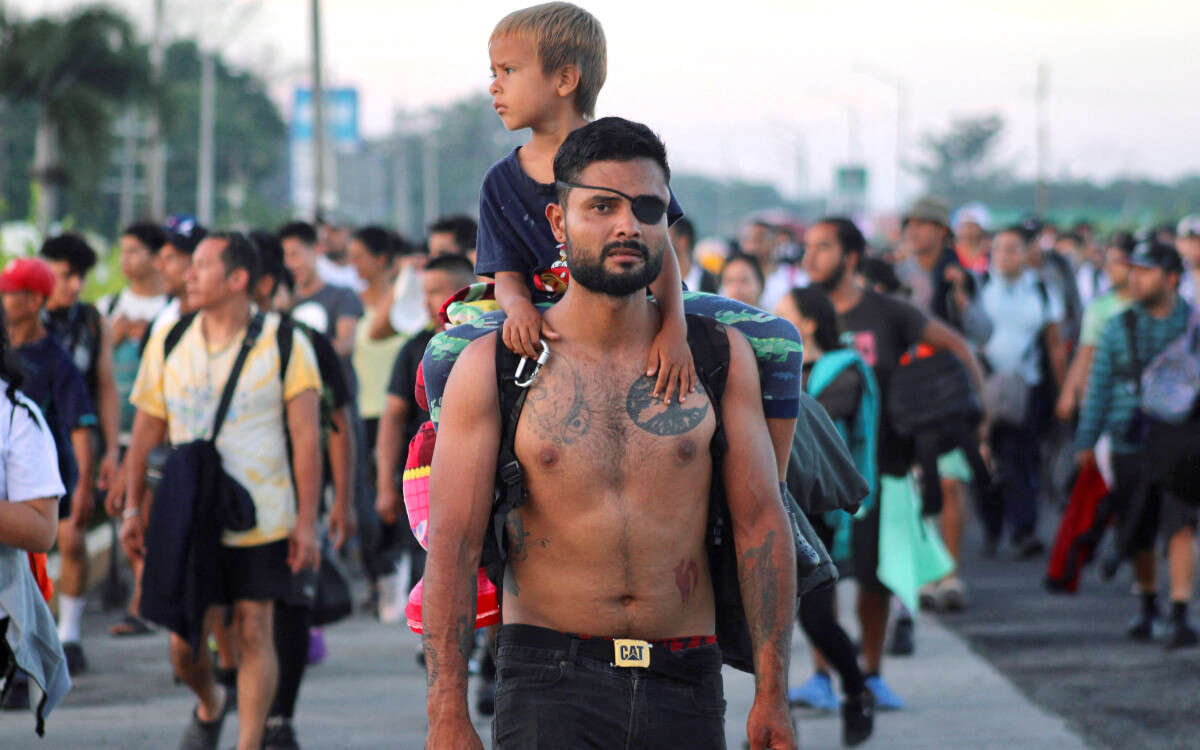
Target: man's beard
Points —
{"points": [[592, 275], [835, 279]]}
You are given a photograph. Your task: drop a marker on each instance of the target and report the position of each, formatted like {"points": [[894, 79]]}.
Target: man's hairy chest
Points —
{"points": [[600, 423]]}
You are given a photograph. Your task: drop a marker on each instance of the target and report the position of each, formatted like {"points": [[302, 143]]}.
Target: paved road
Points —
{"points": [[1068, 654], [370, 694]]}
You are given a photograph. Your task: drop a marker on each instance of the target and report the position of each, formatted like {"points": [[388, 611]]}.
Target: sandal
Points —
{"points": [[131, 625]]}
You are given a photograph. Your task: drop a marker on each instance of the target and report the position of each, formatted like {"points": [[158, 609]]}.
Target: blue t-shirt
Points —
{"points": [[514, 234], [54, 383]]}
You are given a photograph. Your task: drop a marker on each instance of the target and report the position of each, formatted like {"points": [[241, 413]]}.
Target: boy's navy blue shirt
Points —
{"points": [[514, 234], [53, 383]]}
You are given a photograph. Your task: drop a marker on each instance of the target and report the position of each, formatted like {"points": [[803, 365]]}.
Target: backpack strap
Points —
{"points": [[176, 333], [510, 477], [709, 343], [283, 339], [1129, 321]]}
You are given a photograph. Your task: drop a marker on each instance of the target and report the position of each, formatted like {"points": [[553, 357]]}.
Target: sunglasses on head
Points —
{"points": [[648, 209]]}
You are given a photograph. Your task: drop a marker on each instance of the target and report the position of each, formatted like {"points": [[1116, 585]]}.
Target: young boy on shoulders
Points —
{"points": [[548, 63]]}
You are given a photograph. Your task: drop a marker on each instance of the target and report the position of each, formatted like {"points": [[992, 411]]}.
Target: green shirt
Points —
{"points": [[1097, 314]]}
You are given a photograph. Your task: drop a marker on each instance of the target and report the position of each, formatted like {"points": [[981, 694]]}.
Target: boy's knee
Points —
{"points": [[252, 626]]}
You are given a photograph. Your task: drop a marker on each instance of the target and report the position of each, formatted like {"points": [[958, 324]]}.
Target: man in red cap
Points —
{"points": [[55, 384]]}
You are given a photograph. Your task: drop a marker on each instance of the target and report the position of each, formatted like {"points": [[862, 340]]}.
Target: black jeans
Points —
{"points": [[553, 691]]}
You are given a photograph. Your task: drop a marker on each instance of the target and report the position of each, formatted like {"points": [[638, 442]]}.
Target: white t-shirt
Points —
{"points": [[132, 306], [167, 317], [29, 469], [332, 273]]}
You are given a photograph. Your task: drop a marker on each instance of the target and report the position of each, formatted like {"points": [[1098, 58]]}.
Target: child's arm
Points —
{"points": [[670, 355], [523, 323]]}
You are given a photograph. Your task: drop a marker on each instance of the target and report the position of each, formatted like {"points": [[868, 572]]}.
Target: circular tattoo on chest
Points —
{"points": [[654, 417]]}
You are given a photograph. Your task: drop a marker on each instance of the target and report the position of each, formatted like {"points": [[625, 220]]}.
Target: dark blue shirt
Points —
{"points": [[53, 383], [514, 234]]}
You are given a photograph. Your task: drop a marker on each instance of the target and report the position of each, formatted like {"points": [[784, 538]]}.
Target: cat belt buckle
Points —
{"points": [[631, 653]]}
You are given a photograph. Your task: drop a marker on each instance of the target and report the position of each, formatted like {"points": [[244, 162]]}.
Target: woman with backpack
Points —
{"points": [[839, 379]]}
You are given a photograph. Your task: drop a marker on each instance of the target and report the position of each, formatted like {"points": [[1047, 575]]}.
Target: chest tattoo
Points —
{"points": [[652, 416]]}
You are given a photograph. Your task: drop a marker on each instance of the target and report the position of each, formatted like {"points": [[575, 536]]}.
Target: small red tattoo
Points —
{"points": [[687, 575]]}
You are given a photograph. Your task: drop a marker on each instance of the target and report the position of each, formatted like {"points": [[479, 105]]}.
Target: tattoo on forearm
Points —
{"points": [[431, 660], [687, 576], [760, 589], [465, 638], [656, 418]]}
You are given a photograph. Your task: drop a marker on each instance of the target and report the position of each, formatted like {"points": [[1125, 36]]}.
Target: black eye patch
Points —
{"points": [[648, 209]]}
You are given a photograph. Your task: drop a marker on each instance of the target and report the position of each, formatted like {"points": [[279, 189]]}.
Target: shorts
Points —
{"points": [[554, 690], [258, 573], [776, 344], [953, 465], [1145, 510]]}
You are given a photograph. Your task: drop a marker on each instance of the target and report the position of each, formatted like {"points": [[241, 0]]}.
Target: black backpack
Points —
{"points": [[710, 350]]}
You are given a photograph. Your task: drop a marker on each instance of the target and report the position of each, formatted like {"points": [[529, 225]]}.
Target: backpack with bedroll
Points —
{"points": [[710, 349]]}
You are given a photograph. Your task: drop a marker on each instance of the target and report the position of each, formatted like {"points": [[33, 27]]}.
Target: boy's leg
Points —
{"points": [[195, 670], [258, 673]]}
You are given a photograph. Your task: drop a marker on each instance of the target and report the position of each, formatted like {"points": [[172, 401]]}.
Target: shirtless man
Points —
{"points": [[609, 542]]}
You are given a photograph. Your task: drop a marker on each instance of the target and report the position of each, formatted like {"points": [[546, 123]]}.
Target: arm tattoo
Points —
{"points": [[465, 637], [759, 577], [431, 660], [653, 417]]}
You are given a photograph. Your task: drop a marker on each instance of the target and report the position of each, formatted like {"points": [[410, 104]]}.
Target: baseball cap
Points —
{"points": [[28, 275], [929, 208], [1151, 254], [1189, 226]]}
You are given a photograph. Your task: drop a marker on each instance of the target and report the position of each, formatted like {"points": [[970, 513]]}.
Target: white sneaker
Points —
{"points": [[952, 595], [391, 600]]}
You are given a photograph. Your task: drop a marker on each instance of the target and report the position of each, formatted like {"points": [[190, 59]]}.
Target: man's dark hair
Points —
{"points": [[464, 228], [151, 235], [377, 240], [301, 230], [1021, 230], [1070, 237], [751, 261], [607, 139], [457, 266], [239, 252], [849, 236], [73, 249], [815, 305], [270, 254], [1122, 241], [186, 242], [880, 274], [684, 228]]}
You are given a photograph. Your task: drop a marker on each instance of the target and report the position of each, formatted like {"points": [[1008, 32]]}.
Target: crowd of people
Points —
{"points": [[246, 402]]}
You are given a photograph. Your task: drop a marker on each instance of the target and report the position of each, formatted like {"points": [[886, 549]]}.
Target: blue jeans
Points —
{"points": [[556, 691]]}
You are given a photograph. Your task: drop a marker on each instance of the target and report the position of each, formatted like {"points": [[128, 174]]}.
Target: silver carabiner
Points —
{"points": [[537, 366]]}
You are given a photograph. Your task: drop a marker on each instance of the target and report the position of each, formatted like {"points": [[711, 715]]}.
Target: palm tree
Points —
{"points": [[79, 71]]}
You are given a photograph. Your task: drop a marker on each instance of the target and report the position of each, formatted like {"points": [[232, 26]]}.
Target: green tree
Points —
{"points": [[959, 161], [78, 72], [251, 141]]}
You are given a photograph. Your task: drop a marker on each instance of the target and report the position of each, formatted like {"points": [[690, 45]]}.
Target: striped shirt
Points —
{"points": [[1112, 392]]}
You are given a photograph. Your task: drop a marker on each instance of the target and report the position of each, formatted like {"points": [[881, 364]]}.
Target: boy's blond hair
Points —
{"points": [[563, 34]]}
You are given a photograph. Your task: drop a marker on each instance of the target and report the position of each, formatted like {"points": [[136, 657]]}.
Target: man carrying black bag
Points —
{"points": [[177, 395]]}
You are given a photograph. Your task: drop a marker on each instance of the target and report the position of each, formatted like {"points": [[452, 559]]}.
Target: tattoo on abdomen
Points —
{"points": [[652, 416], [465, 637], [687, 575]]}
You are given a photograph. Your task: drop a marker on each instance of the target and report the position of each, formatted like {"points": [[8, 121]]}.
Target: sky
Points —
{"points": [[778, 91]]}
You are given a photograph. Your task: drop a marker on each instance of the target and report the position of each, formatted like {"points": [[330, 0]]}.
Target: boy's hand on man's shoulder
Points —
{"points": [[671, 359], [523, 329]]}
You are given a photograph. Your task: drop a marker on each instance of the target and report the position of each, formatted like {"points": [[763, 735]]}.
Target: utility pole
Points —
{"points": [[127, 128], [208, 116], [900, 86], [429, 165], [318, 100], [1041, 196], [156, 154]]}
